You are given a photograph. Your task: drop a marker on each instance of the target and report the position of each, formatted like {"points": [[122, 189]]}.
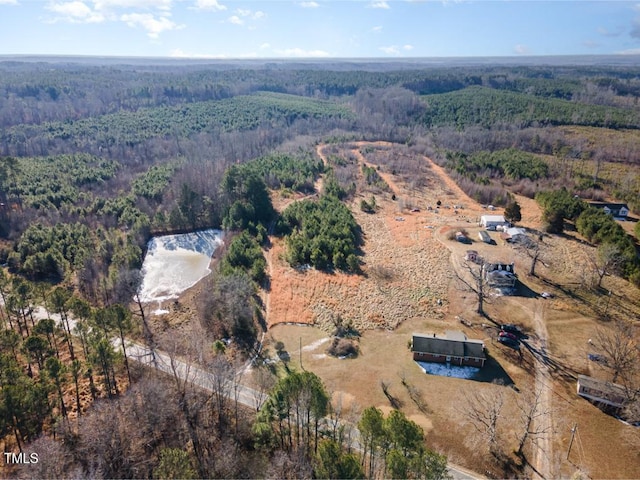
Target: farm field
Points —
{"points": [[407, 268]]}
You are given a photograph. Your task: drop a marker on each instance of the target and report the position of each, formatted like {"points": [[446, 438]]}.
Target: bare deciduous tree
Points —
{"points": [[265, 381], [473, 279], [483, 408], [532, 412], [535, 250], [607, 261], [618, 346]]}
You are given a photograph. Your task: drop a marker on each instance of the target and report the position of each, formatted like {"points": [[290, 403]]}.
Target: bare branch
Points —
{"points": [[619, 348]]}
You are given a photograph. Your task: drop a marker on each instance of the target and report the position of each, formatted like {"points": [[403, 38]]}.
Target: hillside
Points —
{"points": [[338, 187]]}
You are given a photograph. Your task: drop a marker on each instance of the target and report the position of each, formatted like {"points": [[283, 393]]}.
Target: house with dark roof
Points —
{"points": [[454, 348], [500, 275], [617, 210]]}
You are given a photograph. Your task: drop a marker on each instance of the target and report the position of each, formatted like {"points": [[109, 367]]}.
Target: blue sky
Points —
{"points": [[315, 28]]}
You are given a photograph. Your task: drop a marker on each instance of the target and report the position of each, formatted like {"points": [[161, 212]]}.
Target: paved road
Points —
{"points": [[246, 395], [206, 380]]}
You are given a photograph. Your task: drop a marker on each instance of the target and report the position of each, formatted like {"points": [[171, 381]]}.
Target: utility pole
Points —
{"points": [[573, 434]]}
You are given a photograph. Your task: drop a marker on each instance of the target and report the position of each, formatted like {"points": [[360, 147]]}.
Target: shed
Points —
{"points": [[514, 234], [454, 348], [484, 236], [471, 255], [493, 221]]}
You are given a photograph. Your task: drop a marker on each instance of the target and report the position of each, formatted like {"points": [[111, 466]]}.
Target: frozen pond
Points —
{"points": [[176, 262]]}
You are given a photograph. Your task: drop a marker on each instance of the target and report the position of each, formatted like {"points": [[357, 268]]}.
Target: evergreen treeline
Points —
{"points": [[487, 107], [595, 225], [511, 163], [282, 170], [321, 233]]}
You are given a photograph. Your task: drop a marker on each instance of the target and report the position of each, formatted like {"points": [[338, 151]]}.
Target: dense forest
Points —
{"points": [[96, 159]]}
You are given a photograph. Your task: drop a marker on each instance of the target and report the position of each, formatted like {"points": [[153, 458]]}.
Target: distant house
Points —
{"points": [[454, 348], [500, 275], [599, 391], [492, 222], [618, 210]]}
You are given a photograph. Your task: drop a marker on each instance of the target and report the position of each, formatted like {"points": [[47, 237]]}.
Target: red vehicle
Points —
{"points": [[508, 335]]}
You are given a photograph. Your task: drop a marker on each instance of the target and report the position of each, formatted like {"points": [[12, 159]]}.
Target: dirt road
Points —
{"points": [[543, 422]]}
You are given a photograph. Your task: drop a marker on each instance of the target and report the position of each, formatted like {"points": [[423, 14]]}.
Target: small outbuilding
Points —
{"points": [[484, 236], [454, 348], [514, 235], [492, 222]]}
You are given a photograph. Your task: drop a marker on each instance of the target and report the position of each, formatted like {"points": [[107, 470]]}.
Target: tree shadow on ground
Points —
{"points": [[556, 367], [565, 290], [492, 372], [523, 290]]}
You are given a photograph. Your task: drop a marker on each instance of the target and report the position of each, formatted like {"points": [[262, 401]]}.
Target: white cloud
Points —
{"points": [[214, 5], [395, 50], [299, 52], [380, 4], [245, 14], [390, 50], [179, 53], [8, 2], [377, 29], [74, 12], [153, 25], [257, 15], [265, 46], [137, 4], [521, 50], [309, 4]]}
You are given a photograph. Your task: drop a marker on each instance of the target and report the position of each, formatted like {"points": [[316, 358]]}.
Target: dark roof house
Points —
{"points": [[618, 210], [454, 348], [500, 275]]}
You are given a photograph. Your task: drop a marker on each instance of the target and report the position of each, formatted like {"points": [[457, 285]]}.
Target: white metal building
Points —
{"points": [[493, 221]]}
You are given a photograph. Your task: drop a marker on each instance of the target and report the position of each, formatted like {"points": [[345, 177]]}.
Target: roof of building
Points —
{"points": [[507, 267], [615, 206], [601, 385], [454, 344], [493, 218], [513, 231]]}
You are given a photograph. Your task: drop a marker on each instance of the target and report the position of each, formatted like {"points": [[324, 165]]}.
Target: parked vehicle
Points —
{"points": [[508, 335], [514, 329], [509, 342]]}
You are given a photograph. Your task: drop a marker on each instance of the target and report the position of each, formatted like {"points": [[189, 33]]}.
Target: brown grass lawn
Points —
{"points": [[407, 269]]}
